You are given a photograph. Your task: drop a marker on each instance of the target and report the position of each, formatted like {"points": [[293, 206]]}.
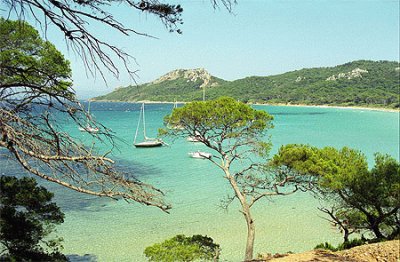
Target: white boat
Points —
{"points": [[88, 127], [193, 139], [150, 142], [175, 126], [200, 155], [196, 138], [147, 142]]}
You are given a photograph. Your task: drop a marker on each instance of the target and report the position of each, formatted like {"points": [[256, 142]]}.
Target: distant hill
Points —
{"points": [[180, 85], [358, 83]]}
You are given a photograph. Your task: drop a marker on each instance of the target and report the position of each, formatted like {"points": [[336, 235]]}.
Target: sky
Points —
{"points": [[260, 37]]}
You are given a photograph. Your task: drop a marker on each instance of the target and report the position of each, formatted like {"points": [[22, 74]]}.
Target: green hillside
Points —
{"points": [[358, 83]]}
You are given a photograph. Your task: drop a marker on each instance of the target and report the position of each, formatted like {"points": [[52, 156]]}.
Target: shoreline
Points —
{"points": [[381, 109]]}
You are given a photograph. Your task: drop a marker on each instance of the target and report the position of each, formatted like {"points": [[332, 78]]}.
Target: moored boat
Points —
{"points": [[147, 142], [200, 155]]}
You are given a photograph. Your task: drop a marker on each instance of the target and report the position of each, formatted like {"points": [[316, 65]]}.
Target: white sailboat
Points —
{"points": [[147, 142], [197, 137], [88, 128], [176, 126]]}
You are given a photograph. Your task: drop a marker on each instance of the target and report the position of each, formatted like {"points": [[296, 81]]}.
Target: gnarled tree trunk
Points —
{"points": [[251, 230]]}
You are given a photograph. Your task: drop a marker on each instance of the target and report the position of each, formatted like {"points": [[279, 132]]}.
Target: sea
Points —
{"points": [[101, 229]]}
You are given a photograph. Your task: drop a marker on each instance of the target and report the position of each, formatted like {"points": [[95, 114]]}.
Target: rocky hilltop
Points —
{"points": [[191, 75], [355, 73]]}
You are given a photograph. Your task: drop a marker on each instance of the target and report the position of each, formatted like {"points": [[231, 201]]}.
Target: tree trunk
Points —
{"points": [[346, 235], [375, 228], [247, 215], [251, 230]]}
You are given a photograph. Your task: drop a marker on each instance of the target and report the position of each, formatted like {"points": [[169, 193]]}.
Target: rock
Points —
{"points": [[191, 75], [331, 78], [355, 73]]}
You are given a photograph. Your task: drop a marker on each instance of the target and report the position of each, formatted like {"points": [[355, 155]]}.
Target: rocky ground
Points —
{"points": [[388, 251]]}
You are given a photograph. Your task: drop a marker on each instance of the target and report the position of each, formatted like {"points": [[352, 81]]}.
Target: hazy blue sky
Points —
{"points": [[262, 37]]}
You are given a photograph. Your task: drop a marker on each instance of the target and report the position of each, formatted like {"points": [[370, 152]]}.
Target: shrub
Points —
{"points": [[326, 246], [27, 217], [346, 245], [182, 248]]}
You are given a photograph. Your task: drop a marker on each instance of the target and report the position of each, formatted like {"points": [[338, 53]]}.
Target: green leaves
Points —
{"points": [[27, 60], [182, 248], [335, 168], [224, 115], [364, 199], [27, 217]]}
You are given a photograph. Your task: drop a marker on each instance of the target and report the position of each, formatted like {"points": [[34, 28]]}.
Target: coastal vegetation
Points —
{"points": [[355, 199], [98, 56], [236, 133], [358, 83], [27, 220], [36, 89], [35, 93], [183, 248]]}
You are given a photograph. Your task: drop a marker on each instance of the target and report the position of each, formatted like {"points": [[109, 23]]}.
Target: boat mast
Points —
{"points": [[138, 124], [144, 123], [89, 118]]}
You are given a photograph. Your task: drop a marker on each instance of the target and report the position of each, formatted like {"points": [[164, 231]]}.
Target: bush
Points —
{"points": [[27, 217], [182, 248], [326, 246], [352, 243], [346, 245]]}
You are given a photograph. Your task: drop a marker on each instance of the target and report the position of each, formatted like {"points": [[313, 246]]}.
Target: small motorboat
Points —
{"points": [[196, 138], [200, 155], [89, 129], [193, 139]]}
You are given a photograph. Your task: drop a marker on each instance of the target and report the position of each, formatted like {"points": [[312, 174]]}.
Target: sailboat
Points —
{"points": [[88, 127], [148, 142], [175, 126], [197, 137]]}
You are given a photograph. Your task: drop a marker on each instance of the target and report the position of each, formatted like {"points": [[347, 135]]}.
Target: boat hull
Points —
{"points": [[149, 144], [89, 129]]}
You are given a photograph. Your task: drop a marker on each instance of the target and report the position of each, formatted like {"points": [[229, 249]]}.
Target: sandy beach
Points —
{"points": [[339, 107]]}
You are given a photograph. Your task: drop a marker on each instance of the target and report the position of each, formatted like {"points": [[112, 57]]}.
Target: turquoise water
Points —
{"points": [[117, 231]]}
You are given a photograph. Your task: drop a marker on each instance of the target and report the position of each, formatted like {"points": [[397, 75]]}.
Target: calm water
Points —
{"points": [[117, 231]]}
